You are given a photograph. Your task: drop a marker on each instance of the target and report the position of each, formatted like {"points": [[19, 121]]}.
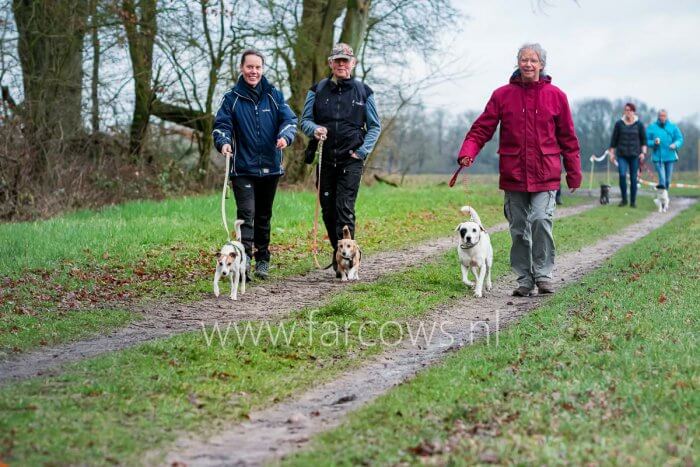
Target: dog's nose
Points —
{"points": [[469, 239]]}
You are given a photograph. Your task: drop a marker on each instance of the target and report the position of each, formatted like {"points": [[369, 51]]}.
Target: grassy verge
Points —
{"points": [[606, 372], [152, 249], [119, 405]]}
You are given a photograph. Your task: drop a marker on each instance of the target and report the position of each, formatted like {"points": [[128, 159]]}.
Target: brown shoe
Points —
{"points": [[545, 287], [522, 291]]}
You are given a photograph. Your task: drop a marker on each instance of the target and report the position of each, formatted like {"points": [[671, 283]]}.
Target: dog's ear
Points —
{"points": [[482, 228], [457, 228]]}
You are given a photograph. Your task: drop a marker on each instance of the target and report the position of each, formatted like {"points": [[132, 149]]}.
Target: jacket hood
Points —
{"points": [[634, 120], [516, 78]]}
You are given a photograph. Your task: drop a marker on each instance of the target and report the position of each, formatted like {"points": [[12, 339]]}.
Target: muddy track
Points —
{"points": [[271, 300], [283, 428]]}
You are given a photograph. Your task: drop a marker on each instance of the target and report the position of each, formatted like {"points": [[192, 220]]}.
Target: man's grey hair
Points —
{"points": [[538, 49]]}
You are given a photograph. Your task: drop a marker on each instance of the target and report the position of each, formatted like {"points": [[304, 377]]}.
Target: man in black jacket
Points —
{"points": [[341, 111]]}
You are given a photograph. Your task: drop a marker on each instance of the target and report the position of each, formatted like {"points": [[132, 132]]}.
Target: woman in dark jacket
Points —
{"points": [[252, 127], [629, 146]]}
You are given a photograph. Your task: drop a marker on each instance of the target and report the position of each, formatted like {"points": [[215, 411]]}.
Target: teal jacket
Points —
{"points": [[668, 134]]}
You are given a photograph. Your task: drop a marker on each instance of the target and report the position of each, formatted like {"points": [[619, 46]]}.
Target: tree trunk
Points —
{"points": [[95, 79], [50, 48], [184, 116], [139, 19], [355, 23], [313, 45]]}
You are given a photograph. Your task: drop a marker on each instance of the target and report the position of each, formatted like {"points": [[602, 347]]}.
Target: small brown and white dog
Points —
{"points": [[348, 257], [475, 251], [662, 200], [231, 261]]}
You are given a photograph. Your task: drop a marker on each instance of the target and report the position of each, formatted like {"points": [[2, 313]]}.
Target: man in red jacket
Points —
{"points": [[537, 131]]}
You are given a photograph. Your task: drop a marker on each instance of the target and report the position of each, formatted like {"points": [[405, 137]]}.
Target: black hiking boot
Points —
{"points": [[262, 269], [522, 291]]}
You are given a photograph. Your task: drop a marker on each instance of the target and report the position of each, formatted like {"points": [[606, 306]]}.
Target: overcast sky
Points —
{"points": [[647, 49]]}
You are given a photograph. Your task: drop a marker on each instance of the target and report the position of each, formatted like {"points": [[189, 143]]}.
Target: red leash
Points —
{"points": [[453, 180]]}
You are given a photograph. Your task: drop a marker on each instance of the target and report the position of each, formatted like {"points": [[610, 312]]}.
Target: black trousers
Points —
{"points": [[340, 183], [254, 198]]}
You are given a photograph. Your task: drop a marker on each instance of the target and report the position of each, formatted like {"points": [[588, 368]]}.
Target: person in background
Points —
{"points": [[628, 146], [252, 127], [341, 111], [536, 130], [665, 139]]}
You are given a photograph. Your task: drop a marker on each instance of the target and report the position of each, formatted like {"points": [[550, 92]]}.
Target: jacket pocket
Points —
{"points": [[546, 132], [510, 168], [550, 167]]}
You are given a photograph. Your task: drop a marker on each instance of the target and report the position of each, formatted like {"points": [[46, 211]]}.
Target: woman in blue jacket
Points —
{"points": [[665, 139], [252, 127]]}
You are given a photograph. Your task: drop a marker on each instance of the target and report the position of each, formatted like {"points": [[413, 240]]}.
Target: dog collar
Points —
{"points": [[470, 245]]}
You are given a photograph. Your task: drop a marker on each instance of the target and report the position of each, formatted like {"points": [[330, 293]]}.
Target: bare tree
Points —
{"points": [[200, 37], [140, 24], [50, 49]]}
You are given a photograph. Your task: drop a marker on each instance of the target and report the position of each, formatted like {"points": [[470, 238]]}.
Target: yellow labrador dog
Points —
{"points": [[348, 257], [475, 251]]}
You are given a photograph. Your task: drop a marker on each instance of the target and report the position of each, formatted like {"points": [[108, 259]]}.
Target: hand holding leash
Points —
{"points": [[463, 162]]}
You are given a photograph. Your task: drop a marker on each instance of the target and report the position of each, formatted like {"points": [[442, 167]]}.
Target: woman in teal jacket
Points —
{"points": [[665, 139]]}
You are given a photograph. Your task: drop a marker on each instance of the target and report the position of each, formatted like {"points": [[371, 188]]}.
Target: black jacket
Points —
{"points": [[628, 140], [340, 107]]}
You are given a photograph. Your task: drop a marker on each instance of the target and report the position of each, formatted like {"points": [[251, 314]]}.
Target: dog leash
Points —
{"points": [[314, 247], [223, 196]]}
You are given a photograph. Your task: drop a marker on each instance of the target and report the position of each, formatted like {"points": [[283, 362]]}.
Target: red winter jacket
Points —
{"points": [[536, 128]]}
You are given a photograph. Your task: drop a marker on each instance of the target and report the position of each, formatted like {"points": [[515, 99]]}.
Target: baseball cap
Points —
{"points": [[341, 50]]}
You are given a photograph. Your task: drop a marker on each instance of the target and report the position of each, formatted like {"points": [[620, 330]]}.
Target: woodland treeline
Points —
{"points": [[108, 100], [104, 100]]}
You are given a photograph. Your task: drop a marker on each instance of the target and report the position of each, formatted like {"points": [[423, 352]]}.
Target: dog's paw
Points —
{"points": [[468, 283], [216, 292], [234, 298], [478, 294]]}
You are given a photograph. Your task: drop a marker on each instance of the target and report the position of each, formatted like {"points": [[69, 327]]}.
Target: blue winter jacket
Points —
{"points": [[668, 134], [251, 120]]}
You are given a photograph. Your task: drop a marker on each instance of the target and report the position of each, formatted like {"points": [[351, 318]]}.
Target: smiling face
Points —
{"points": [[530, 65], [252, 69]]}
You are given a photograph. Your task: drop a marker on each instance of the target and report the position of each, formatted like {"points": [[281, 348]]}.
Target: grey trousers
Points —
{"points": [[530, 218]]}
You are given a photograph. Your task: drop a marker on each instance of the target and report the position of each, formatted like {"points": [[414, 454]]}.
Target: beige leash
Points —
{"points": [[314, 247]]}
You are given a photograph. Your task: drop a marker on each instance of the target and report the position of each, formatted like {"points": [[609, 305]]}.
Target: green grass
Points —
{"points": [[56, 272], [606, 372], [119, 405]]}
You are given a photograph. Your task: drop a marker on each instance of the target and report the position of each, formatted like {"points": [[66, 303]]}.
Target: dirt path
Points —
{"points": [[268, 301], [285, 427]]}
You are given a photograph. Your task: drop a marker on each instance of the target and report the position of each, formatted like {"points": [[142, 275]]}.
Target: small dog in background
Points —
{"points": [[662, 201], [604, 194], [348, 257], [231, 262], [475, 251]]}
